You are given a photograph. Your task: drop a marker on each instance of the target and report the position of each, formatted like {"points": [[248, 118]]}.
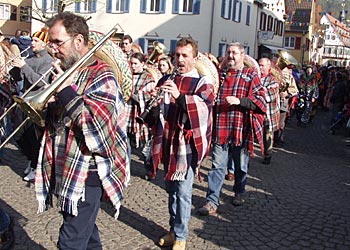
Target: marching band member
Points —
{"points": [[31, 70], [139, 135], [182, 137], [83, 150], [239, 114]]}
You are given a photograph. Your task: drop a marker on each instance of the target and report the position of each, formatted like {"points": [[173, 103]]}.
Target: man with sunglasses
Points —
{"points": [[84, 143]]}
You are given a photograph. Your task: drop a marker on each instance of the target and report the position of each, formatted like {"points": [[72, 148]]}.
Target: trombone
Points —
{"points": [[41, 79], [33, 106]]}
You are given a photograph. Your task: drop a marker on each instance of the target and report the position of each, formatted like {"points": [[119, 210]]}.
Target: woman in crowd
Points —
{"points": [[165, 66], [139, 135]]}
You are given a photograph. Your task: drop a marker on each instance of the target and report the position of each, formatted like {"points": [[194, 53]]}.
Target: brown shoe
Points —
{"points": [[167, 240], [208, 209], [230, 177], [179, 245]]}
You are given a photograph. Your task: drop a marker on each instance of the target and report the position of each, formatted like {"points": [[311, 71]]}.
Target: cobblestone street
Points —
{"points": [[300, 201]]}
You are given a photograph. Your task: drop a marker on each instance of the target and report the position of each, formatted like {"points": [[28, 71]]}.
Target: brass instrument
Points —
{"points": [[33, 106], [141, 119], [8, 63], [41, 79], [158, 49], [285, 59]]}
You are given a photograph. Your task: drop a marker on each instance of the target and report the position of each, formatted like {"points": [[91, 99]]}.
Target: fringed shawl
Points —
{"points": [[95, 134], [233, 123], [171, 141]]}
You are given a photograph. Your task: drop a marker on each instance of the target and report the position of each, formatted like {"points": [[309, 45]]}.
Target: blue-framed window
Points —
{"points": [[222, 49], [172, 46], [247, 18], [147, 43], [247, 50], [153, 6], [85, 6], [226, 9], [50, 6], [118, 6], [186, 6], [237, 11]]}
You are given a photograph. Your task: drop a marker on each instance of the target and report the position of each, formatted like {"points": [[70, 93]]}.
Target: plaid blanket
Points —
{"points": [[95, 133], [143, 84], [172, 138], [272, 101], [233, 123]]}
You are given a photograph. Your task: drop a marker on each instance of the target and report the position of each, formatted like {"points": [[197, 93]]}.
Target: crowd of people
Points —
{"points": [[175, 116]]}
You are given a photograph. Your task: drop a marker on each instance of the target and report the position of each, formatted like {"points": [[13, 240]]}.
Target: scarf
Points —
{"points": [[94, 133], [172, 136]]}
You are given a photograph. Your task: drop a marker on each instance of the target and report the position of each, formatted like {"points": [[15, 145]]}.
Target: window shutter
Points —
{"points": [[93, 6], [143, 6], [235, 3], [172, 46], [247, 21], [222, 49], [196, 7], [142, 43], [77, 7], [175, 6], [297, 42], [240, 12], [126, 6], [109, 6], [162, 6]]}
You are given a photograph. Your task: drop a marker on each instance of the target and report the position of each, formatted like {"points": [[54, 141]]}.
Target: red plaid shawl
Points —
{"points": [[97, 132], [235, 124], [272, 101], [143, 85], [171, 140]]}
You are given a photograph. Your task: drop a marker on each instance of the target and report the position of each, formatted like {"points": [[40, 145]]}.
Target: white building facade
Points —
{"points": [[213, 23], [336, 47]]}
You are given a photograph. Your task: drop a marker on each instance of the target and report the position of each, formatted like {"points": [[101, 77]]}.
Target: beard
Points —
{"points": [[68, 62]]}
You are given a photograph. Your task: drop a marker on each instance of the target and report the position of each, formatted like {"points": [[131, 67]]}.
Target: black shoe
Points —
{"points": [[7, 238]]}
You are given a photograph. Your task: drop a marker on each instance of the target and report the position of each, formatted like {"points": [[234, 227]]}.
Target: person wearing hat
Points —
{"points": [[31, 70]]}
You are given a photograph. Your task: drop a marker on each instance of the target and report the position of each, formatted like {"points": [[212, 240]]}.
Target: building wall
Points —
{"points": [[9, 27], [208, 28]]}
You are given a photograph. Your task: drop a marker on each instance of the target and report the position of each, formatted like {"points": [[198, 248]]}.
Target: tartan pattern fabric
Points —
{"points": [[171, 141], [95, 134], [143, 84], [233, 123], [272, 101]]}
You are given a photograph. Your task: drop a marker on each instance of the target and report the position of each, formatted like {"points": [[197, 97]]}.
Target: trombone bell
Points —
{"points": [[32, 110]]}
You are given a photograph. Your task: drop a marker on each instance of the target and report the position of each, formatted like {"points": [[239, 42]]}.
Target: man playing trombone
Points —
{"points": [[83, 150]]}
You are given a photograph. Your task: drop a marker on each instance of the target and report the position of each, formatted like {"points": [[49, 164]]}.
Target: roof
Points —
{"points": [[299, 14]]}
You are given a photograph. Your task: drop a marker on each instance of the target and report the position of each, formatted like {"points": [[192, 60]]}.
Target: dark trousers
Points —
{"points": [[80, 232]]}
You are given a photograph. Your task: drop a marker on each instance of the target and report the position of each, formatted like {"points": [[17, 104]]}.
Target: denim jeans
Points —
{"points": [[221, 155], [180, 204], [4, 221]]}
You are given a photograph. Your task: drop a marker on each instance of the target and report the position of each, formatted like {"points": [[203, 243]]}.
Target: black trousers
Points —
{"points": [[80, 232]]}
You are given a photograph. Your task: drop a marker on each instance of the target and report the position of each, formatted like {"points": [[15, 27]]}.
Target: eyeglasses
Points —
{"points": [[57, 44]]}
